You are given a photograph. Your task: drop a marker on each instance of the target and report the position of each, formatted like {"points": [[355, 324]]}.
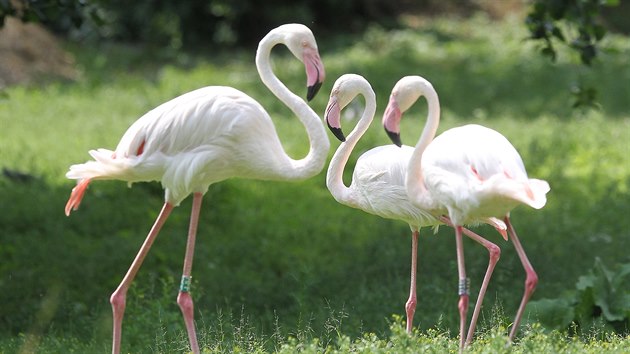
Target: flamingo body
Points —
{"points": [[477, 174], [472, 174], [192, 141], [378, 186]]}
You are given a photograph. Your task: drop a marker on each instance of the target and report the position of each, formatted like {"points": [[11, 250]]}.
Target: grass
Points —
{"points": [[282, 267], [242, 339]]}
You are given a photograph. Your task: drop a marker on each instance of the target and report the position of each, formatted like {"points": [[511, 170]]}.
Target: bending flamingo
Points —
{"points": [[378, 180], [470, 174], [203, 137]]}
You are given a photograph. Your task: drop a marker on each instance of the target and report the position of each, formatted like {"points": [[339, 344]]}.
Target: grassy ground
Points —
{"points": [[282, 267]]}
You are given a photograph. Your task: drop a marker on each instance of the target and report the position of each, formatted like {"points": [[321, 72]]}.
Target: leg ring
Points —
{"points": [[184, 286], [464, 286]]}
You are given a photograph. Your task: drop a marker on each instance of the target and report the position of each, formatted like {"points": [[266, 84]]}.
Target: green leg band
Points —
{"points": [[184, 286]]}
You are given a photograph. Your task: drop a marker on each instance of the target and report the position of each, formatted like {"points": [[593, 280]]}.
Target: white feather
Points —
{"points": [[214, 133], [378, 179]]}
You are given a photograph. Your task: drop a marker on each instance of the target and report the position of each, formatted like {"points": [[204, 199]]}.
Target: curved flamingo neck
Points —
{"points": [[318, 140], [416, 189], [334, 176]]}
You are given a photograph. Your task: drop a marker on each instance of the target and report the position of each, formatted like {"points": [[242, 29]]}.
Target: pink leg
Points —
{"points": [[531, 279], [184, 300], [495, 253], [118, 298], [463, 287], [410, 306]]}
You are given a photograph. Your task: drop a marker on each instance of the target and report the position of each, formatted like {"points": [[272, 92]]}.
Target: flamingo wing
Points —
{"points": [[200, 117], [378, 183]]}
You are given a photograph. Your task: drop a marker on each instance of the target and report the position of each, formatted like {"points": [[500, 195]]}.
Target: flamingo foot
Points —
{"points": [[76, 196]]}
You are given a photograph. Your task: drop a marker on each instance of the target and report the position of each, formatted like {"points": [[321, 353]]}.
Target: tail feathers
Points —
{"points": [[532, 192], [76, 196], [105, 166], [540, 189]]}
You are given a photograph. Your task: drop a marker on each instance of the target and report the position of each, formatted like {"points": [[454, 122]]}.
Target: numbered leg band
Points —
{"points": [[184, 286], [464, 286]]}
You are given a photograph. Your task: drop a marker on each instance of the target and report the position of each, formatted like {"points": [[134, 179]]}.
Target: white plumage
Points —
{"points": [[476, 173], [197, 139], [470, 174], [215, 133], [378, 180], [203, 137], [378, 186]]}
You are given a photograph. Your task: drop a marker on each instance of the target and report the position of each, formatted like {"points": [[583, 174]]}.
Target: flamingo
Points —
{"points": [[203, 137], [378, 180], [470, 174]]}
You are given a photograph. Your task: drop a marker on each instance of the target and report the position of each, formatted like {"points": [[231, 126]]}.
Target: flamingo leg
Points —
{"points": [[184, 300], [495, 254], [410, 306], [118, 298], [531, 279], [463, 287]]}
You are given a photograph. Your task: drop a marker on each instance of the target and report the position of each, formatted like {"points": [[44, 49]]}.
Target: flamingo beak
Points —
{"points": [[315, 72], [333, 118], [312, 91], [391, 121]]}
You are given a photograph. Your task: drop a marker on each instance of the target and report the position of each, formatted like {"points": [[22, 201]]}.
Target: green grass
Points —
{"points": [[283, 267], [241, 339]]}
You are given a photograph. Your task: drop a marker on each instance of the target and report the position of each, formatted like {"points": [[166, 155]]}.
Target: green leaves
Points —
{"points": [[602, 295], [572, 22], [609, 291]]}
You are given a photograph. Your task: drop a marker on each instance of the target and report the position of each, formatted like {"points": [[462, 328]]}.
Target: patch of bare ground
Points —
{"points": [[31, 54]]}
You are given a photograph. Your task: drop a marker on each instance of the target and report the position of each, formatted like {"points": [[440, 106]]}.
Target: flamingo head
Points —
{"points": [[301, 42], [404, 94], [345, 89]]}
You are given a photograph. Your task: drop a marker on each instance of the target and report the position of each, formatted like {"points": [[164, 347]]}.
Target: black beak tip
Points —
{"points": [[312, 91], [337, 133], [394, 137]]}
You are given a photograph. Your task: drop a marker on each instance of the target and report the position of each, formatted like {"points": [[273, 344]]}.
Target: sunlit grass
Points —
{"points": [[234, 335], [283, 267]]}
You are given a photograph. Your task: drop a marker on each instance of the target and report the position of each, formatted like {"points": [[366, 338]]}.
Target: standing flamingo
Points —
{"points": [[203, 137], [378, 180], [473, 174]]}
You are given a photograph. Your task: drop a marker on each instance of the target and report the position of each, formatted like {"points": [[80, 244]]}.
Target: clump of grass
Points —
{"points": [[236, 333]]}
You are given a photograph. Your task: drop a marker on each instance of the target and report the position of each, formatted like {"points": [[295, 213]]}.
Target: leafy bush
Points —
{"points": [[600, 298]]}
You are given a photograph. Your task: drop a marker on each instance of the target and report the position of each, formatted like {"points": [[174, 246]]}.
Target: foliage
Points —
{"points": [[543, 24], [575, 22], [600, 297], [224, 22], [277, 260], [195, 23], [59, 15]]}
